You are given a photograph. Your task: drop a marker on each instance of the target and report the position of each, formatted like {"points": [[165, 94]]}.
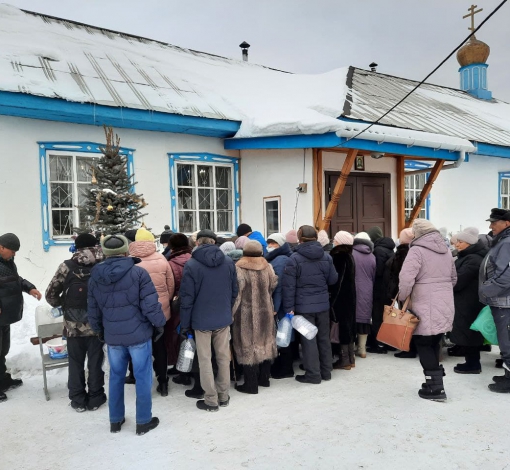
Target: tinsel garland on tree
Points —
{"points": [[111, 206]]}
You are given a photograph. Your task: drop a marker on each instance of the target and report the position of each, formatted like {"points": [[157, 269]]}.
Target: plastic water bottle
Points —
{"points": [[301, 324], [284, 333], [56, 312], [186, 354]]}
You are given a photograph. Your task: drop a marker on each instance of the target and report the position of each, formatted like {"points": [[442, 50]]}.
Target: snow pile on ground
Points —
{"points": [[367, 418], [54, 58]]}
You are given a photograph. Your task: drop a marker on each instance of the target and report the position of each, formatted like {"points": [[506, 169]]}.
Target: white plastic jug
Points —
{"points": [[301, 324], [284, 333]]}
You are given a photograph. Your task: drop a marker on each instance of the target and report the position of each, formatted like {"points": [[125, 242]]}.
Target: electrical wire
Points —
{"points": [[428, 76]]}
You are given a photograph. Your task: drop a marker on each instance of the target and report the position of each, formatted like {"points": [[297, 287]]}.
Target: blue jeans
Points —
{"points": [[502, 321], [141, 357]]}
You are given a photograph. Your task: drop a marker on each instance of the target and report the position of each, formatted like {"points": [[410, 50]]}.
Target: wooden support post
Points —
{"points": [[401, 213], [317, 187], [425, 192], [339, 189]]}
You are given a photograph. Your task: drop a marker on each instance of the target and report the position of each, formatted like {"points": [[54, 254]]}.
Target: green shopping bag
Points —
{"points": [[484, 323]]}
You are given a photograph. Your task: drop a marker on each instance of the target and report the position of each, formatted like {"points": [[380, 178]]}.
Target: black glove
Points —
{"points": [[184, 332], [158, 332]]}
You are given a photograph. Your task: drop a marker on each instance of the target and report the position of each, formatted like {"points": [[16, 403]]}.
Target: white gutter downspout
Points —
{"points": [[456, 164]]}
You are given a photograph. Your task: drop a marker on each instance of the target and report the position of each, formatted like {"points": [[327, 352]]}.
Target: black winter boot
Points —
{"points": [[197, 392], [142, 429], [10, 384], [130, 379], [182, 379], [502, 384], [251, 382], [469, 367], [3, 397], [433, 388], [162, 388], [344, 362]]}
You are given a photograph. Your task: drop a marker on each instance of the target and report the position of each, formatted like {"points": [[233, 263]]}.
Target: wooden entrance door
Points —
{"points": [[365, 202]]}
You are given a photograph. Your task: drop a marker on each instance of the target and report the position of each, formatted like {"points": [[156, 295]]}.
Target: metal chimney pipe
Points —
{"points": [[244, 46], [373, 67]]}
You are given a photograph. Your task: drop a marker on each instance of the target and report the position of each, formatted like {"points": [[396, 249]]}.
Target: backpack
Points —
{"points": [[74, 297]]}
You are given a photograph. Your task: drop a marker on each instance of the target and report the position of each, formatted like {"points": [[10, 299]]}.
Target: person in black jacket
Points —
{"points": [[12, 286], [471, 252], [306, 277], [343, 298], [208, 293], [390, 280], [383, 250]]}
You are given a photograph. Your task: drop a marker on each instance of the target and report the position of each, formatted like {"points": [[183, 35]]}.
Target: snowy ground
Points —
{"points": [[369, 417]]}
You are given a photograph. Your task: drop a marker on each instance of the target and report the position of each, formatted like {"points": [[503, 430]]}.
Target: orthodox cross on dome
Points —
{"points": [[472, 14]]}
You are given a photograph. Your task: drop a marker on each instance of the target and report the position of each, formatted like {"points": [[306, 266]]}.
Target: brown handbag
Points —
{"points": [[398, 326]]}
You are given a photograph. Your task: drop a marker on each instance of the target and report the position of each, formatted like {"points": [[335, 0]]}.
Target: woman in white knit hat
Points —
{"points": [[343, 298], [471, 252]]}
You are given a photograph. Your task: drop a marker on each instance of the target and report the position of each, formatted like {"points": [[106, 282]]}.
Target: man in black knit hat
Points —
{"points": [[12, 286]]}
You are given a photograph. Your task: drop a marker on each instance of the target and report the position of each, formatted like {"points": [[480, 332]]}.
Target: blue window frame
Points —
{"points": [[413, 185], [204, 192], [64, 178], [504, 190]]}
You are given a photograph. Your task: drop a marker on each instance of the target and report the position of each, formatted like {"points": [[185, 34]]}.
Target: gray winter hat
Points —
{"points": [[469, 235], [114, 245], [10, 241]]}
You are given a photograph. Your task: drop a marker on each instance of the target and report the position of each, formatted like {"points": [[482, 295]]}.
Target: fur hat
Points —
{"points": [[499, 214], [468, 235], [178, 240], [406, 236], [165, 236], [241, 241], [206, 234], [375, 233], [85, 240], [10, 241], [363, 236], [277, 238], [131, 234], [252, 248], [113, 245], [143, 235], [306, 233], [291, 236], [243, 229], [323, 238], [422, 226], [343, 238], [227, 247]]}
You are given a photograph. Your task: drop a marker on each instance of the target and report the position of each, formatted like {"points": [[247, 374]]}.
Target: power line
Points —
{"points": [[429, 75]]}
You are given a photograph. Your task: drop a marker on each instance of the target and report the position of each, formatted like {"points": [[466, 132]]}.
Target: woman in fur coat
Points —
{"points": [[254, 330], [343, 298]]}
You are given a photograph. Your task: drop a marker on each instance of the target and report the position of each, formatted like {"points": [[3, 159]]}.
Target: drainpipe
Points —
{"points": [[456, 164]]}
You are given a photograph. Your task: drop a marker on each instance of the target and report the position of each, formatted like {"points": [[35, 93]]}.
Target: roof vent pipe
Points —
{"points": [[244, 46], [373, 67]]}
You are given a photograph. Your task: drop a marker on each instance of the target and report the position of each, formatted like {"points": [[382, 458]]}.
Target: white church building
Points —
{"points": [[214, 142]]}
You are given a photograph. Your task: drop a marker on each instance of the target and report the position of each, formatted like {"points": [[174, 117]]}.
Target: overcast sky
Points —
{"points": [[407, 38]]}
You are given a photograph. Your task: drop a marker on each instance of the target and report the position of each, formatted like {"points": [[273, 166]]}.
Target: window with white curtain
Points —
{"points": [[205, 196], [413, 186], [504, 192]]}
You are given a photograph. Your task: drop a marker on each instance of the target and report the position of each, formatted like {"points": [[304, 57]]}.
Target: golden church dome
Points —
{"points": [[473, 52]]}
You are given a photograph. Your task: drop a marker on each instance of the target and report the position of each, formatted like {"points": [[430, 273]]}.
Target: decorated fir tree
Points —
{"points": [[111, 206]]}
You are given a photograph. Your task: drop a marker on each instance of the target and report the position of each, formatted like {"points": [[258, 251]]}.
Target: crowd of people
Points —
{"points": [[230, 294]]}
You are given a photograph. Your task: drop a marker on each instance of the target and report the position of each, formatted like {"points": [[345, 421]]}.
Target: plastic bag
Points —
{"points": [[484, 323]]}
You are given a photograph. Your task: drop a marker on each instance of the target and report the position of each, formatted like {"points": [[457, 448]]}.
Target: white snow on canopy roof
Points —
{"points": [[55, 58]]}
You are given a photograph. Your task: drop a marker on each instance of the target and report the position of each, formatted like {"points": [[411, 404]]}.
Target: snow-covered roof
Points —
{"points": [[55, 58], [51, 57], [431, 108]]}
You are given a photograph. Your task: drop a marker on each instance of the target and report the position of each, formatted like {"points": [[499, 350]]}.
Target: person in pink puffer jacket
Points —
{"points": [[162, 276], [428, 275]]}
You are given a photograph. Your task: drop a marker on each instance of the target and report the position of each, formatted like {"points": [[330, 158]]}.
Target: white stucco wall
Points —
{"points": [[463, 197], [266, 173], [20, 183], [334, 162]]}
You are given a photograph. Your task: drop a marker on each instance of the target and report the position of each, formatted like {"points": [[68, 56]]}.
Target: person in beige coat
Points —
{"points": [[162, 276], [254, 328]]}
